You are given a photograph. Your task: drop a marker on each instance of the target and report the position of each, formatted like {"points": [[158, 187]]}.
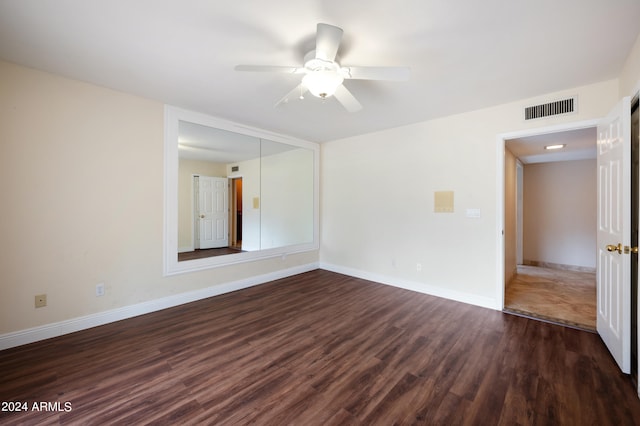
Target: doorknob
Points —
{"points": [[201, 216], [618, 248]]}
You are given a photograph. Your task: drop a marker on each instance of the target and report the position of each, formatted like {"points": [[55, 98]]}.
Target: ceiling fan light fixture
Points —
{"points": [[322, 83]]}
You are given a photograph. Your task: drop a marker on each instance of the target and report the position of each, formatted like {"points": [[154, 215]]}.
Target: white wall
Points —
{"points": [[81, 178], [287, 203], [377, 218], [560, 209]]}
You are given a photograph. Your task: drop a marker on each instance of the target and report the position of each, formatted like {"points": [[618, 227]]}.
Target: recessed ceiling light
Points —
{"points": [[557, 146]]}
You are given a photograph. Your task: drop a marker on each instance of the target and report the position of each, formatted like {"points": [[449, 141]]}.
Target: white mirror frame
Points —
{"points": [[172, 117]]}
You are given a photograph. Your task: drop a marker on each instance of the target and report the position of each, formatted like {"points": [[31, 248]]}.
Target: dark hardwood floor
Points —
{"points": [[321, 349]]}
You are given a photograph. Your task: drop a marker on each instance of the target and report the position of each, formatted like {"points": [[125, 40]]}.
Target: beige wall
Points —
{"points": [[375, 225], [560, 209], [81, 178]]}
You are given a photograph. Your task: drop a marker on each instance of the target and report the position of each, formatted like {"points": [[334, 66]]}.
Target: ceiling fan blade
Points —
{"points": [[348, 101], [376, 73], [269, 68], [298, 91], [328, 40]]}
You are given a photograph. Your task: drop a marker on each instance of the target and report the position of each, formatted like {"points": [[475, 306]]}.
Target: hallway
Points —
{"points": [[559, 296]]}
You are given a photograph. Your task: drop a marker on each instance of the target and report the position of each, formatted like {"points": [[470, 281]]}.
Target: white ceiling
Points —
{"points": [[463, 54], [579, 145], [204, 143]]}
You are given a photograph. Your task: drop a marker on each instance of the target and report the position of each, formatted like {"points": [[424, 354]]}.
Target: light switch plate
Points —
{"points": [[473, 213]]}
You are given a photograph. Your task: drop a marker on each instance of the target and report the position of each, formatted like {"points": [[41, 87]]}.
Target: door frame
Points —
{"points": [[519, 212], [635, 223], [195, 223], [233, 222]]}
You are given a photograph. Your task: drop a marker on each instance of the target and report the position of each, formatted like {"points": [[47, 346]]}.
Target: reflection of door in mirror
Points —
{"points": [[187, 195], [212, 206]]}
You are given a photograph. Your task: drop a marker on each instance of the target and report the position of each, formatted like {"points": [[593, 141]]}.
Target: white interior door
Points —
{"points": [[614, 232], [213, 204]]}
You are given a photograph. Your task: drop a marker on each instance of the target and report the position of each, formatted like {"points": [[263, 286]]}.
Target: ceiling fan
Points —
{"points": [[323, 76]]}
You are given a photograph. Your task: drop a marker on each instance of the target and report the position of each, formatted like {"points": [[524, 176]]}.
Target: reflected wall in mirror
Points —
{"points": [[286, 187], [235, 194]]}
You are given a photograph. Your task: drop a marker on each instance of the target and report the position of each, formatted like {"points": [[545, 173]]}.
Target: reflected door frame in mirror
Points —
{"points": [[171, 266]]}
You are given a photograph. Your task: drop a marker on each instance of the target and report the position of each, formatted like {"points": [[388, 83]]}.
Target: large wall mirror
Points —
{"points": [[235, 194]]}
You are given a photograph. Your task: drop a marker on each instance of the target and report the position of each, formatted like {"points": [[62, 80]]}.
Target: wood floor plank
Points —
{"points": [[321, 348]]}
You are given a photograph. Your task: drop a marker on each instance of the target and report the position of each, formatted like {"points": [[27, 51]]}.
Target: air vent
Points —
{"points": [[235, 168], [564, 106]]}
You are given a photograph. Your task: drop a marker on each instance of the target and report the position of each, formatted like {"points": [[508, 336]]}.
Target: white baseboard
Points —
{"points": [[48, 331], [458, 296]]}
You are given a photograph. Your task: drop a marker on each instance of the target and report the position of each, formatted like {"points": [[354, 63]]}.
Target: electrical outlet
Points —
{"points": [[418, 267], [99, 289], [41, 300]]}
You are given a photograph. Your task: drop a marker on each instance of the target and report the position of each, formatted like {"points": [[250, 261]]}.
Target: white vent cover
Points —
{"points": [[563, 106]]}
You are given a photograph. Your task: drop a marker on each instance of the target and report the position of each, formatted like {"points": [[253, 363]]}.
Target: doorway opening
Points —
{"points": [[620, 125], [235, 213], [550, 227]]}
